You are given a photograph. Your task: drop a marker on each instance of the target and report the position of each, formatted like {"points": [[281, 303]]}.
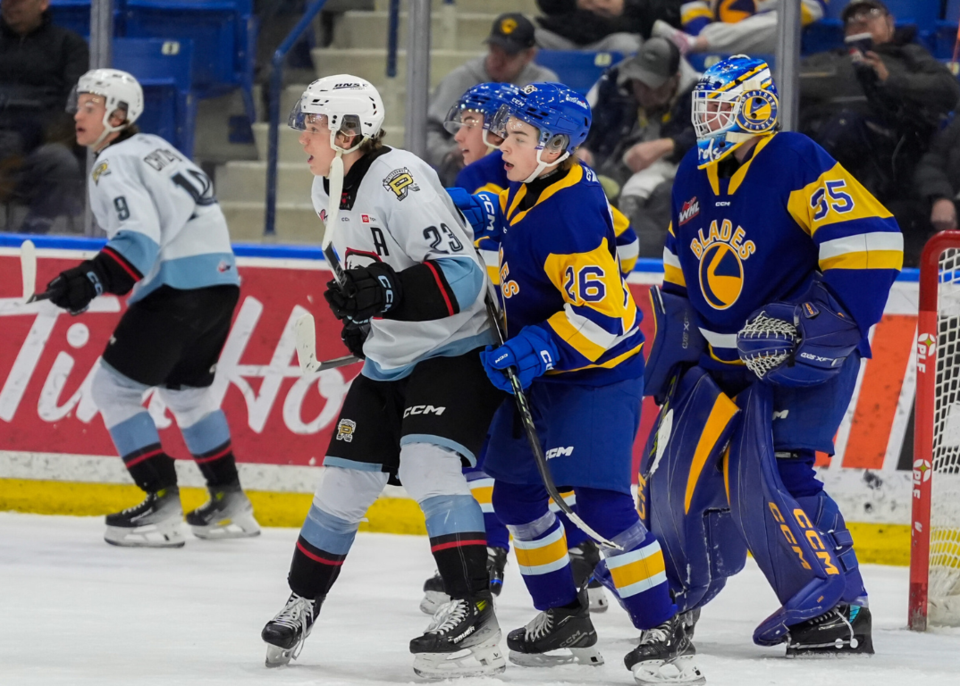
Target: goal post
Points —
{"points": [[935, 526]]}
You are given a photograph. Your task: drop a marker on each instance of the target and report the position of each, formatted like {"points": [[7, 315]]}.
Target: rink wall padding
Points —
{"points": [[56, 457]]}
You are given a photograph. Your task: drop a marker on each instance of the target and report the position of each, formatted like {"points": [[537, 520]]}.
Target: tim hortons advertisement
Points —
{"points": [[281, 419]]}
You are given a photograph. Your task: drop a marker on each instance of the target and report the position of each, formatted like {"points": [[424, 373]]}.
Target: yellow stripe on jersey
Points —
{"points": [[571, 179], [609, 364], [628, 252], [672, 272], [592, 279], [741, 173], [620, 221], [490, 252], [833, 198], [876, 250], [544, 555], [637, 571], [695, 10], [489, 187]]}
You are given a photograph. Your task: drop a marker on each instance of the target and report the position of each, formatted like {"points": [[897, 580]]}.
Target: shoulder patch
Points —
{"points": [[400, 182], [101, 169]]}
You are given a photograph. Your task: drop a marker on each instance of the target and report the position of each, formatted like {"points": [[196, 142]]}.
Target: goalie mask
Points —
{"points": [[734, 101], [346, 104], [119, 90]]}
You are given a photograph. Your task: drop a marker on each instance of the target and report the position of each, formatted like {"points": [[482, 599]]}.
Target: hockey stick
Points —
{"points": [[526, 418], [28, 269], [305, 328]]}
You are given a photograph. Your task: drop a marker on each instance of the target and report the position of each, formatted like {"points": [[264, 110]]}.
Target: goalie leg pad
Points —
{"points": [[802, 569], [676, 341], [683, 498]]}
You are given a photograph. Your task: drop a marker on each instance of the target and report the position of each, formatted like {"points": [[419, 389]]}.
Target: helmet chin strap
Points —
{"points": [[107, 130], [541, 165]]}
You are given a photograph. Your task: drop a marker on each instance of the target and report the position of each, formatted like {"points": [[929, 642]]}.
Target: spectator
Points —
{"points": [[509, 59], [938, 179], [616, 25], [641, 131], [39, 64], [875, 107], [732, 27]]}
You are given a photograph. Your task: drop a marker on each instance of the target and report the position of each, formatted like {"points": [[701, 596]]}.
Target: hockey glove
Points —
{"points": [[367, 292], [354, 336], [73, 289], [531, 353], [481, 210], [799, 344]]}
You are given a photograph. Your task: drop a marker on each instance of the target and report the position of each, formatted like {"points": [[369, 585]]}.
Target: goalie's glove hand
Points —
{"points": [[366, 292], [74, 288], [530, 353], [354, 336], [799, 344]]}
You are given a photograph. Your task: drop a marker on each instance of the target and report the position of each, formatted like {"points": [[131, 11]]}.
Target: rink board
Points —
{"points": [[56, 456]]}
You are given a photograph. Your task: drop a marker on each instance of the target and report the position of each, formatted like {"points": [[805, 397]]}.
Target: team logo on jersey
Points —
{"points": [[98, 171], [690, 209], [722, 253], [223, 267], [346, 429], [400, 181]]}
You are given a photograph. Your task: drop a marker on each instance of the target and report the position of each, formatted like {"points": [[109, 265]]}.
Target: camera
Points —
{"points": [[858, 44]]}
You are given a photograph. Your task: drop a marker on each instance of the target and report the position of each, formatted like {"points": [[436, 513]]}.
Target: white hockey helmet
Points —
{"points": [[120, 91], [351, 105]]}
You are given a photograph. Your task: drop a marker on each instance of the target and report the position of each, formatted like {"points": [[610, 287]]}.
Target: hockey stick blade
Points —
{"points": [[305, 333], [28, 269]]}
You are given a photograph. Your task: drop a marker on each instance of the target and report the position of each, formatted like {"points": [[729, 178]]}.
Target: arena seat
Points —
{"points": [[577, 69], [75, 15], [164, 69], [223, 33]]}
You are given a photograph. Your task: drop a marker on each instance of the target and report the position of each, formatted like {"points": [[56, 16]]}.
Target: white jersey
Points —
{"points": [[396, 211], [160, 213]]}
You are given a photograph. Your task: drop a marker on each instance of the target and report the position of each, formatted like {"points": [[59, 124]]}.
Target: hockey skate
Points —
{"points": [[844, 630], [434, 594], [666, 654], [286, 633], [462, 640], [154, 523], [583, 560], [558, 636], [228, 514]]}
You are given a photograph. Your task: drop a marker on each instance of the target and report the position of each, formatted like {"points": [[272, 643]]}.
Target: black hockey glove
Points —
{"points": [[367, 292], [353, 336], [73, 289]]}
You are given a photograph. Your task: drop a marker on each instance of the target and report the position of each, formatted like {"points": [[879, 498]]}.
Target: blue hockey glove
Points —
{"points": [[799, 344], [482, 211], [530, 353]]}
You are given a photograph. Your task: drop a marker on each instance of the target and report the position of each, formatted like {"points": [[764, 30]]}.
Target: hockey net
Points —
{"points": [[935, 534]]}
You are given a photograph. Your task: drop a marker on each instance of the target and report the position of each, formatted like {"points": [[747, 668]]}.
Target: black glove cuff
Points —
{"points": [[116, 274], [427, 295]]}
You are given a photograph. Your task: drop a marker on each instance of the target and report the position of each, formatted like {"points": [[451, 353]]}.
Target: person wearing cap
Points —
{"points": [[732, 27], [602, 25], [640, 134], [875, 105], [509, 59]]}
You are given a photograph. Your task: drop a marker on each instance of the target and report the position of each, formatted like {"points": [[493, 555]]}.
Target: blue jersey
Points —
{"points": [[555, 261], [762, 235], [486, 174]]}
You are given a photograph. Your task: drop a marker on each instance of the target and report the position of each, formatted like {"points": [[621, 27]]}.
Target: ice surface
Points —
{"points": [[77, 612]]}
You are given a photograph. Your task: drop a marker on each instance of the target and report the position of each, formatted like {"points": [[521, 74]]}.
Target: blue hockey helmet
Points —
{"points": [[485, 99], [561, 116], [734, 101]]}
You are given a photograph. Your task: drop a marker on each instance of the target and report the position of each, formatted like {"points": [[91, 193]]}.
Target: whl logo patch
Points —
{"points": [[690, 209]]}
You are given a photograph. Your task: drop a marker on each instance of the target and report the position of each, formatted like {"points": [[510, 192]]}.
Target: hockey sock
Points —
{"points": [[138, 443], [541, 549], [637, 572], [321, 549], [209, 442], [458, 543], [481, 488]]}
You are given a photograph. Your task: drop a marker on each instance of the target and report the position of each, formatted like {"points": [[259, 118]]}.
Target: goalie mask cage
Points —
{"points": [[935, 530]]}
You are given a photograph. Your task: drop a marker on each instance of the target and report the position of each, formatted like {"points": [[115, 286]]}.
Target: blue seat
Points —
{"points": [[164, 69], [223, 34], [577, 69], [945, 36], [75, 15]]}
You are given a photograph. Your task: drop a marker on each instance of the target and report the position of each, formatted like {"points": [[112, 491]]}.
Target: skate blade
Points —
{"points": [[479, 661], [590, 657], [855, 648], [278, 657], [682, 670], [432, 600], [150, 536], [598, 599], [227, 528]]}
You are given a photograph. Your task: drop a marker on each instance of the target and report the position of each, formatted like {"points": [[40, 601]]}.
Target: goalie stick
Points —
{"points": [[530, 429]]}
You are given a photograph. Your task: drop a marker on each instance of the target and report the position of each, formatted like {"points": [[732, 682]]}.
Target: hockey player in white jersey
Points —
{"points": [[421, 406], [168, 246]]}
